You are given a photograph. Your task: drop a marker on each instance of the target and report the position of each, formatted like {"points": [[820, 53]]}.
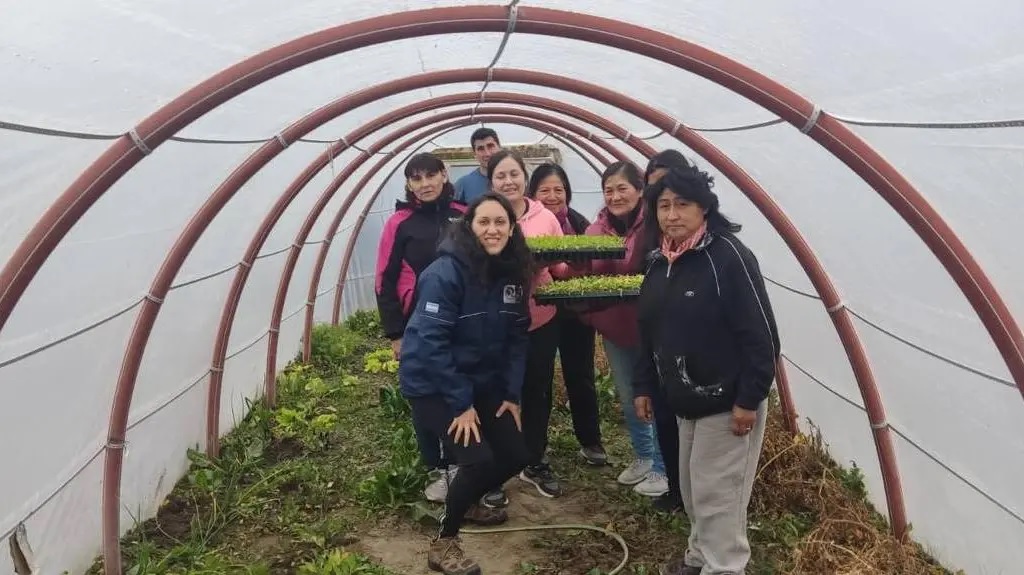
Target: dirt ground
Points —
{"points": [[404, 550]]}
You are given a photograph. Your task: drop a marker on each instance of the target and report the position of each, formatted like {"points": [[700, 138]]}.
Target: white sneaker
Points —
{"points": [[437, 490], [654, 485], [636, 472]]}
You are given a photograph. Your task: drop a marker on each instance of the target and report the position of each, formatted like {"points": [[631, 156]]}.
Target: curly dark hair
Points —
{"points": [[692, 184], [514, 263], [668, 158]]}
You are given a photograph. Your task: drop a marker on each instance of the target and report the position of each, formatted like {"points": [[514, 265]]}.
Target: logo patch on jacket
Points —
{"points": [[512, 293], [431, 307]]}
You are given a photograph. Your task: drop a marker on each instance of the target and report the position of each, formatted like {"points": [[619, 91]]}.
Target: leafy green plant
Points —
{"points": [[366, 323], [403, 477], [380, 361], [392, 404], [341, 562], [574, 242], [306, 412], [587, 285], [331, 346]]}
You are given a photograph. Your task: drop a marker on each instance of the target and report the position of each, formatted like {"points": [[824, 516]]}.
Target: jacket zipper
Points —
{"points": [[668, 270]]}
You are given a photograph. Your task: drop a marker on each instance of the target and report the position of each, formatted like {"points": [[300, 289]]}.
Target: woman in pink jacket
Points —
{"points": [[623, 216], [507, 172]]}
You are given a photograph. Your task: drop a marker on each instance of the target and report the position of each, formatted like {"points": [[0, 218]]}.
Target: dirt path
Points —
{"points": [[405, 550]]}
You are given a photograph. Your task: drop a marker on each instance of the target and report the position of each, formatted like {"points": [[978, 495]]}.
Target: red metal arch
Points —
{"points": [[301, 236], [293, 189], [887, 463], [639, 145], [274, 214], [585, 116], [826, 130], [128, 150], [823, 284]]}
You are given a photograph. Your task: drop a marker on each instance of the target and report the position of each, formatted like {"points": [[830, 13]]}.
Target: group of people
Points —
{"points": [[693, 357]]}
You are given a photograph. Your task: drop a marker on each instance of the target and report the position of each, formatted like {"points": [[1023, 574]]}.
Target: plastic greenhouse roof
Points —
{"points": [[935, 89]]}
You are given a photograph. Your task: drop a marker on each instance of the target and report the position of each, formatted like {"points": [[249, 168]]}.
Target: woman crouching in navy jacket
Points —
{"points": [[709, 342], [462, 363]]}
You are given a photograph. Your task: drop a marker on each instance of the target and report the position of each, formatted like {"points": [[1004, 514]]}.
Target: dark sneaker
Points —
{"points": [[480, 515], [594, 455], [446, 555], [677, 566], [543, 478], [495, 499], [668, 503]]}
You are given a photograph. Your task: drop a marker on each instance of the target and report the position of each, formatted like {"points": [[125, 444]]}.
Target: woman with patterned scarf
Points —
{"points": [[709, 343]]}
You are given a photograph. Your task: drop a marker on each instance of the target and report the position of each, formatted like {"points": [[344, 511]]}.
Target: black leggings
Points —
{"points": [[484, 466], [576, 351], [536, 394]]}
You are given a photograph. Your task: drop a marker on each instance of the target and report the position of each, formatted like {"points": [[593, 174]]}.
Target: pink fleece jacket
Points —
{"points": [[617, 323], [539, 221]]}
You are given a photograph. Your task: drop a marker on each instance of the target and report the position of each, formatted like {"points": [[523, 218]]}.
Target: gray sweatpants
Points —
{"points": [[716, 476]]}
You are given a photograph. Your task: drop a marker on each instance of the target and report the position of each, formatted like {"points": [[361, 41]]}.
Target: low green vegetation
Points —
{"points": [[575, 242], [598, 284], [328, 481]]}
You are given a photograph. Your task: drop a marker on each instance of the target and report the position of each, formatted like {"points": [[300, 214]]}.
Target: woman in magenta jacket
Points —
{"points": [[408, 244], [623, 216]]}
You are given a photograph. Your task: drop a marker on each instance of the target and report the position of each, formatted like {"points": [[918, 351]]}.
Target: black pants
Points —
{"points": [[484, 466], [536, 394], [576, 351], [667, 429]]}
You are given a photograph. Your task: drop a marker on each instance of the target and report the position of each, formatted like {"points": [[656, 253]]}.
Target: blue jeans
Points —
{"points": [[642, 435]]}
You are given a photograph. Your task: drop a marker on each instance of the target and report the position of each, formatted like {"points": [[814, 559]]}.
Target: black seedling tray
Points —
{"points": [[623, 295], [579, 255]]}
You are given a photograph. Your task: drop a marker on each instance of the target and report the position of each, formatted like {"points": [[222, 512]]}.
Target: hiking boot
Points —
{"points": [[594, 455], [437, 490], [636, 472], [668, 503], [677, 566], [480, 515], [654, 485], [495, 499], [446, 556], [543, 478]]}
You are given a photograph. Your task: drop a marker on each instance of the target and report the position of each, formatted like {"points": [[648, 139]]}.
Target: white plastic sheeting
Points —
{"points": [[98, 67]]}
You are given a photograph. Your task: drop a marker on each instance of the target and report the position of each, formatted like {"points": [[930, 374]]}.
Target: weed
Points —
{"points": [[294, 487], [331, 346], [380, 361], [365, 323], [339, 562]]}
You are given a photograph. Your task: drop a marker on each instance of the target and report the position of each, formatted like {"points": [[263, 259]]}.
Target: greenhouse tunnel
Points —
{"points": [[188, 190]]}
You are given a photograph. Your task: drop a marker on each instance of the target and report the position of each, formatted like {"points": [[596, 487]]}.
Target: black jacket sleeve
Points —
{"points": [[750, 318], [645, 373]]}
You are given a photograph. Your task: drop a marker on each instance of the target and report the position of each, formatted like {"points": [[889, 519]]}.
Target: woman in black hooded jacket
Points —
{"points": [[710, 344]]}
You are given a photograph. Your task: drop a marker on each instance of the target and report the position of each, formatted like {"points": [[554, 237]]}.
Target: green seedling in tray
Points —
{"points": [[590, 288], [576, 248]]}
